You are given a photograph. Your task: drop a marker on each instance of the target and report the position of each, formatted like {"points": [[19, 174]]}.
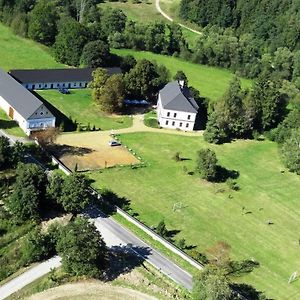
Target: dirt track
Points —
{"points": [[90, 291]]}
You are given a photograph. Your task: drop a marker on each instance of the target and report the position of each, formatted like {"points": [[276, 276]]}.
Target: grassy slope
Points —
{"points": [[11, 127], [209, 215], [79, 106], [212, 82], [19, 53]]}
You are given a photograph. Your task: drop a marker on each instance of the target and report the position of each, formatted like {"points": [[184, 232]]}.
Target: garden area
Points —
{"points": [[80, 107], [258, 220]]}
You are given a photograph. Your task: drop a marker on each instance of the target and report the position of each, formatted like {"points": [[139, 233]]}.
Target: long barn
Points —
{"points": [[57, 78], [22, 106]]}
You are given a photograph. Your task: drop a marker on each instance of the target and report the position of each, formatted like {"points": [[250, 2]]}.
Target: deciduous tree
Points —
{"points": [[82, 249]]}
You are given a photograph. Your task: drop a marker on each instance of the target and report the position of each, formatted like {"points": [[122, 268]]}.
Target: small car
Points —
{"points": [[114, 143], [64, 91]]}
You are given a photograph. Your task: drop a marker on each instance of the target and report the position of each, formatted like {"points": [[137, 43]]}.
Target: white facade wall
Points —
{"points": [[40, 119], [4, 105], [175, 119], [55, 85], [17, 117]]}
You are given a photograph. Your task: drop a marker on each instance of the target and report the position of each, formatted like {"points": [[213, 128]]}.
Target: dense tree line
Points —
{"points": [[243, 114], [273, 23]]}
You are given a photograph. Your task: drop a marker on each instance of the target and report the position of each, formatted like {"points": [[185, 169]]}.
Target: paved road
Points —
{"points": [[114, 235], [29, 276], [157, 5]]}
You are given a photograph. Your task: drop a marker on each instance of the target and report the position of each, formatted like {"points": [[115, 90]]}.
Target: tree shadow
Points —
{"points": [[223, 174], [61, 150], [123, 259], [239, 268], [170, 235], [6, 124], [248, 291]]}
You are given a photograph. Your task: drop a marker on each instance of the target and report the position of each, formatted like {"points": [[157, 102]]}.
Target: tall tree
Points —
{"points": [[82, 249], [291, 151], [207, 164], [211, 284], [28, 195], [69, 42], [112, 94], [142, 80], [74, 195], [95, 54], [42, 24]]}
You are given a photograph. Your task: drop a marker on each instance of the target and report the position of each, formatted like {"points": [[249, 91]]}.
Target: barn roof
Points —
{"points": [[57, 75], [17, 96], [175, 97]]}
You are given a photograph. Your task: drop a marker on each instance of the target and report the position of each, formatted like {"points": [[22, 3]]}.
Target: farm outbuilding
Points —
{"points": [[57, 78], [22, 106]]}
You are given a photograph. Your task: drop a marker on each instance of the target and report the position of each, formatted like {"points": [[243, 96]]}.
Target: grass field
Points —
{"points": [[20, 53], [80, 107], [212, 212], [11, 127], [210, 81]]}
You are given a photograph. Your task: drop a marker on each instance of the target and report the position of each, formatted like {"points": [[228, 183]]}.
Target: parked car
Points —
{"points": [[114, 143], [64, 91]]}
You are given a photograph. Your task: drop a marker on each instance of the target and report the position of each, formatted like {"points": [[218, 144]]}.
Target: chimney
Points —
{"points": [[181, 83]]}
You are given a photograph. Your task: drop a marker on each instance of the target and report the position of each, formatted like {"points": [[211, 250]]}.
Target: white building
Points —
{"points": [[57, 78], [22, 106], [176, 109]]}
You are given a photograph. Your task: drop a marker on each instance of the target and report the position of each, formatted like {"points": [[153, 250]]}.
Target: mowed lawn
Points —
{"points": [[10, 126], [79, 105], [210, 81], [20, 53], [214, 213]]}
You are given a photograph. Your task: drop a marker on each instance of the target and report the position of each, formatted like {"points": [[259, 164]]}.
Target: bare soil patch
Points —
{"points": [[90, 151]]}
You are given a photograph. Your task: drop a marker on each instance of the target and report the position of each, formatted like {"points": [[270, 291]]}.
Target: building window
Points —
{"points": [[41, 113], [180, 124], [80, 84], [167, 122], [187, 125], [173, 123], [175, 114], [46, 85], [168, 114], [189, 117], [63, 85], [46, 113], [74, 83]]}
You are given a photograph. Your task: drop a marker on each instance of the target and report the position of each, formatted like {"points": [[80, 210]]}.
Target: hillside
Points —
{"points": [[276, 22]]}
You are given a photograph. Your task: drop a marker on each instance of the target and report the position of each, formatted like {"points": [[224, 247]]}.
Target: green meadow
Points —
{"points": [[20, 53], [213, 212]]}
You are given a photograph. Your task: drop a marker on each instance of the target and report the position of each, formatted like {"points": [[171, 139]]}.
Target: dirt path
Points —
{"points": [[157, 5], [90, 291], [139, 126]]}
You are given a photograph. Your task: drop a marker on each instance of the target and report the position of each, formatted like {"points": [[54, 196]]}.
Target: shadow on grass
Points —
{"points": [[248, 291], [6, 124], [61, 150], [224, 174], [123, 259]]}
